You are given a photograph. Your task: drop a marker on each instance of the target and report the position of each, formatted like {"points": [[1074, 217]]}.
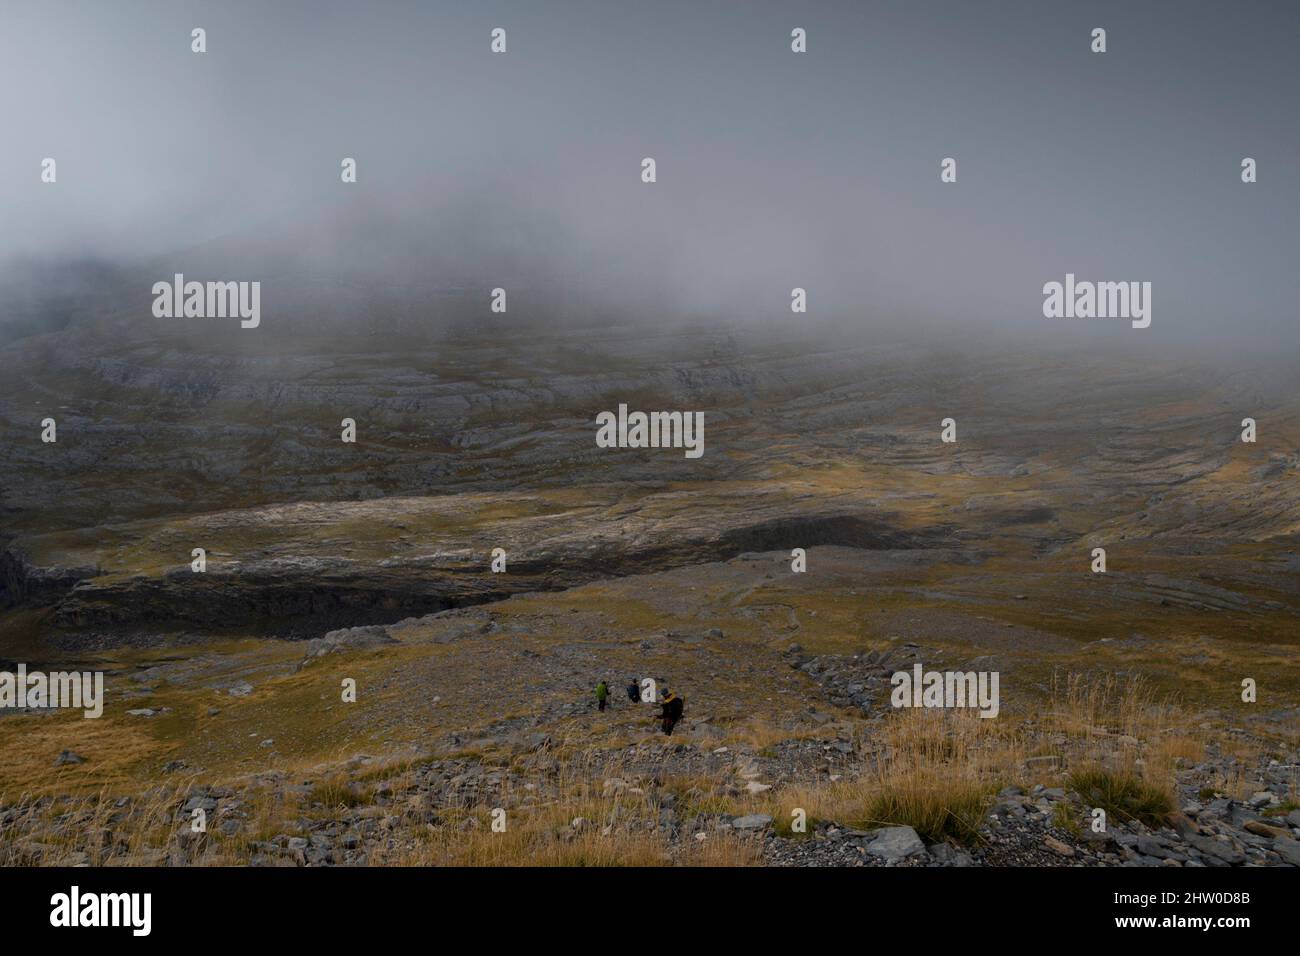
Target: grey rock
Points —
{"points": [[1288, 849], [1150, 846], [896, 843], [1223, 853], [1220, 806], [349, 639], [950, 856]]}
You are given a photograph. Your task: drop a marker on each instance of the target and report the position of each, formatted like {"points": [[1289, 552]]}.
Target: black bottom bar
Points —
{"points": [[333, 906]]}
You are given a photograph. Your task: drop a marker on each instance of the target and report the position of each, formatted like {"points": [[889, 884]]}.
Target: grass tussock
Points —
{"points": [[938, 773], [1106, 709], [1065, 817], [338, 791], [1123, 739], [935, 771], [1123, 796], [951, 812]]}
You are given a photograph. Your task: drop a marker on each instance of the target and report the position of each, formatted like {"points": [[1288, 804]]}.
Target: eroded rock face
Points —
{"points": [[318, 588], [23, 584]]}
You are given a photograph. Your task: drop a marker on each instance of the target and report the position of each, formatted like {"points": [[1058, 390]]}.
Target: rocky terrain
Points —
{"points": [[371, 563], [305, 532]]}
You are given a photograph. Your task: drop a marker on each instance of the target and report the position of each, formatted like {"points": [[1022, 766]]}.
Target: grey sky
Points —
{"points": [[775, 170]]}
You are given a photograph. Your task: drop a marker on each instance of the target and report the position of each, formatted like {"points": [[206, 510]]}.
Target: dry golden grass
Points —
{"points": [[939, 770], [115, 747], [936, 770], [761, 733], [91, 823], [548, 837], [1088, 706], [933, 769], [1122, 727]]}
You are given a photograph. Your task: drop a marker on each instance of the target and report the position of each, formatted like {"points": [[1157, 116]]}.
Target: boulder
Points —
{"points": [[896, 843], [348, 639]]}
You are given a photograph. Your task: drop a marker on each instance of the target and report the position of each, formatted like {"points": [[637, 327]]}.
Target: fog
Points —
{"points": [[775, 170]]}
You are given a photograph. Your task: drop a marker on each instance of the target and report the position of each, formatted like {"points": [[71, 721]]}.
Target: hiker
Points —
{"points": [[633, 690], [602, 692], [672, 711]]}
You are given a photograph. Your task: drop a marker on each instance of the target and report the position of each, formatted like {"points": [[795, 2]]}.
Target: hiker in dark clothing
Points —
{"points": [[672, 711], [602, 694], [633, 690]]}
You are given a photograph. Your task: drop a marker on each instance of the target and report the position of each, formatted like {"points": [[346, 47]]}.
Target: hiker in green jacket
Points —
{"points": [[602, 694]]}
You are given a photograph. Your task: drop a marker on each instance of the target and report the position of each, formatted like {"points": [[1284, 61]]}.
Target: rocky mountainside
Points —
{"points": [[468, 445], [827, 538], [475, 714]]}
